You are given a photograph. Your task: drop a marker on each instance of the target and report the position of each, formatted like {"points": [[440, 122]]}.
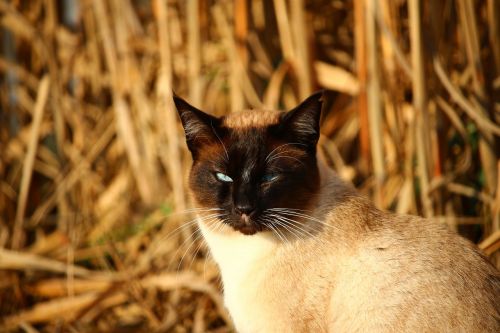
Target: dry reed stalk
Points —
{"points": [[395, 135], [491, 244], [273, 90], [20, 261], [258, 14], [99, 306], [419, 104], [199, 323], [188, 280], [497, 215], [374, 101], [147, 136], [235, 91], [126, 26], [241, 29], [166, 109], [347, 132], [68, 181], [92, 49], [392, 56], [362, 74], [395, 50], [58, 309], [487, 144], [262, 58], [332, 151], [336, 78], [41, 100], [126, 132], [27, 327], [49, 243], [58, 287], [285, 34], [494, 30], [470, 192], [301, 43], [194, 52], [452, 115], [124, 123], [454, 221], [30, 80], [48, 44], [483, 122], [242, 81], [384, 18], [407, 202]]}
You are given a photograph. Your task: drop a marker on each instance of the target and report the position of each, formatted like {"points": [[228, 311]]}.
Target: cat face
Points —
{"points": [[249, 165]]}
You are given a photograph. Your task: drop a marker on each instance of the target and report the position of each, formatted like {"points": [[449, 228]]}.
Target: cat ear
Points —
{"points": [[199, 127], [302, 123]]}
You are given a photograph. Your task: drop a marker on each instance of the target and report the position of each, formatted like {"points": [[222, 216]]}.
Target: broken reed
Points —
{"points": [[92, 157]]}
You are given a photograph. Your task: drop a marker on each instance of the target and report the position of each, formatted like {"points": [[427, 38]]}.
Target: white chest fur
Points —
{"points": [[242, 261]]}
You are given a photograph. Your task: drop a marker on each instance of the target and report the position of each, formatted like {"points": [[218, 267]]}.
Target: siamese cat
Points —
{"points": [[300, 250]]}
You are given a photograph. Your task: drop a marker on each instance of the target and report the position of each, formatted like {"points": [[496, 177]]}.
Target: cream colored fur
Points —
{"points": [[368, 271]]}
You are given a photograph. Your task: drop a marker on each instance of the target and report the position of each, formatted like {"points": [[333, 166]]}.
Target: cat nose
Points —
{"points": [[246, 209]]}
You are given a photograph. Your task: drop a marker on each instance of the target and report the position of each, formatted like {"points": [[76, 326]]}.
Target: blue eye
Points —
{"points": [[269, 178], [223, 178]]}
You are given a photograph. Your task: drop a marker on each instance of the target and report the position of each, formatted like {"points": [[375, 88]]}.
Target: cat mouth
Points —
{"points": [[246, 229], [246, 225]]}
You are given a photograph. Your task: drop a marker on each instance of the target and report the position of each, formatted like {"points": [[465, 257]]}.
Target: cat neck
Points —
{"points": [[238, 254]]}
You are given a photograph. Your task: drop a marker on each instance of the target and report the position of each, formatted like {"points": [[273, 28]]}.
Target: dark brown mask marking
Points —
{"points": [[248, 163]]}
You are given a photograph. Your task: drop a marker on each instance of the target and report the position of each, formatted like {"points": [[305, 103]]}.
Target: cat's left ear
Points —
{"points": [[199, 127], [302, 123]]}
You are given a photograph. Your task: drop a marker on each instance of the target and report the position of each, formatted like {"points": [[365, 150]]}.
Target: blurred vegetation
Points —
{"points": [[93, 207]]}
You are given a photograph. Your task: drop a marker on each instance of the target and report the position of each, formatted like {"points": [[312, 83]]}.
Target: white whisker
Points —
{"points": [[183, 226], [206, 219], [222, 143], [300, 215], [155, 247], [283, 145], [290, 209], [294, 224], [281, 236], [200, 238], [290, 212], [288, 229], [273, 220], [275, 157], [275, 230], [193, 241]]}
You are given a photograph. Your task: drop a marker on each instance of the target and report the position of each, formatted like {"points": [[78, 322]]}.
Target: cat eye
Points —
{"points": [[269, 178], [223, 178]]}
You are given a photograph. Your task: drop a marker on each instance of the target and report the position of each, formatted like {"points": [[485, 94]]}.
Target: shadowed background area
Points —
{"points": [[96, 226]]}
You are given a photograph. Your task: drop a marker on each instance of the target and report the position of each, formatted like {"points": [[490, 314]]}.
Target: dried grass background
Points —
{"points": [[93, 160]]}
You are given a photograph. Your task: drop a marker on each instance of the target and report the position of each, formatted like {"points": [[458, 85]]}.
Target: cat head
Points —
{"points": [[249, 166]]}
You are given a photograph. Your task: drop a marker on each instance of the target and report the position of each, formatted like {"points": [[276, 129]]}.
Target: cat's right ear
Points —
{"points": [[199, 127], [302, 123]]}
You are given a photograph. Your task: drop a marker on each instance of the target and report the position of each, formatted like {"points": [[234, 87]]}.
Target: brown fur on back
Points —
{"points": [[381, 272], [370, 271]]}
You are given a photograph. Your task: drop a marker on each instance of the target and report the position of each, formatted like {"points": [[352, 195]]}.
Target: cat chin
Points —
{"points": [[246, 229]]}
